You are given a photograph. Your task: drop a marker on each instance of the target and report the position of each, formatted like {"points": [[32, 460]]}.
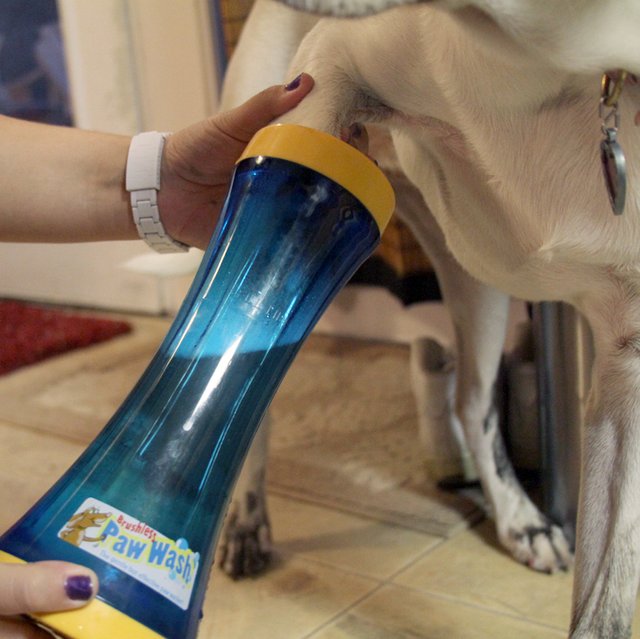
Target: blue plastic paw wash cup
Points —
{"points": [[144, 503]]}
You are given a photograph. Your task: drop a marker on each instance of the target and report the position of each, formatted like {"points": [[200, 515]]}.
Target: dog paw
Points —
{"points": [[245, 545], [543, 547], [245, 551]]}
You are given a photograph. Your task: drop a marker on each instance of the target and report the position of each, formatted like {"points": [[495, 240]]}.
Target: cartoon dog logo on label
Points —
{"points": [[75, 531], [132, 546]]}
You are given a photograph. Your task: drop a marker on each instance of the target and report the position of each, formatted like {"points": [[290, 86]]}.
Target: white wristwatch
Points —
{"points": [[143, 183]]}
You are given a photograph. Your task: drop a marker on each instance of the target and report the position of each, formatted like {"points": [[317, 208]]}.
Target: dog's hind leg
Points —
{"points": [[268, 41], [607, 570], [245, 544]]}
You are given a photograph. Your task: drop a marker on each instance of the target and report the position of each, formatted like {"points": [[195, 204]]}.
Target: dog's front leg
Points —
{"points": [[269, 40], [608, 536]]}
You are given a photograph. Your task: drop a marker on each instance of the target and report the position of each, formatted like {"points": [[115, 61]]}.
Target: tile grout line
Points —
{"points": [[36, 430], [382, 583], [344, 611], [389, 581], [427, 551], [467, 604]]}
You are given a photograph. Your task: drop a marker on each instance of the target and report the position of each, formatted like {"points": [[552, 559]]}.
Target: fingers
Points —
{"points": [[45, 586], [242, 122]]}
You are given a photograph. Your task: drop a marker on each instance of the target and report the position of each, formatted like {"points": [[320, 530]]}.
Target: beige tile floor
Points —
{"points": [[335, 575]]}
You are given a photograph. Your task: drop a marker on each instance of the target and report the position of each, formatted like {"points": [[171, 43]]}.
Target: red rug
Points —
{"points": [[30, 333]]}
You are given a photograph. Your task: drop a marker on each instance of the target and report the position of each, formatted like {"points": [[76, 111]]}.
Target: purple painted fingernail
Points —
{"points": [[79, 588], [294, 84]]}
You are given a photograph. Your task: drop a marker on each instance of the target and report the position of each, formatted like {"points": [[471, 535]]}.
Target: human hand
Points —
{"points": [[198, 161], [45, 586]]}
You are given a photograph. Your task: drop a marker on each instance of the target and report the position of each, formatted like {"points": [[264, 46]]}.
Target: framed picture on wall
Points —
{"points": [[33, 78]]}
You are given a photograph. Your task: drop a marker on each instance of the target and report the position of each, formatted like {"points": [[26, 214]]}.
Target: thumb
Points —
{"points": [[242, 122], [45, 586], [19, 628]]}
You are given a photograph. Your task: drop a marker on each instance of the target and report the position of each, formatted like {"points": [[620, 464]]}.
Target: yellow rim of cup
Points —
{"points": [[96, 620], [331, 157]]}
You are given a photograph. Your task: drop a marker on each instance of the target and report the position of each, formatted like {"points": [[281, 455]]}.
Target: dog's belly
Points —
{"points": [[509, 216]]}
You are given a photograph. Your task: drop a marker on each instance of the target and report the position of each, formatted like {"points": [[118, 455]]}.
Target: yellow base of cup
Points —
{"points": [[96, 620]]}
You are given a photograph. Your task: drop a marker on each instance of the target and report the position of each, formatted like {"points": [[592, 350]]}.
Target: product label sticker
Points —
{"points": [[169, 567]]}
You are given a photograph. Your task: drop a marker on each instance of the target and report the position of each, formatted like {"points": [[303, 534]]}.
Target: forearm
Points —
{"points": [[59, 184]]}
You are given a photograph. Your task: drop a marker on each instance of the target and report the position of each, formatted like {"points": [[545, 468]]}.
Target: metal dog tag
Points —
{"points": [[614, 167]]}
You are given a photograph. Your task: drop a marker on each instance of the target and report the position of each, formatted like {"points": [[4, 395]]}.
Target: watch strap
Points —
{"points": [[142, 180]]}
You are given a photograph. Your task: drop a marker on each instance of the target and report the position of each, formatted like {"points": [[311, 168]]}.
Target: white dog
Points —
{"points": [[494, 107]]}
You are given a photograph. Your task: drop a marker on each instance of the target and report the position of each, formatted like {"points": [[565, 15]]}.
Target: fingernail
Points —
{"points": [[79, 588], [294, 84]]}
